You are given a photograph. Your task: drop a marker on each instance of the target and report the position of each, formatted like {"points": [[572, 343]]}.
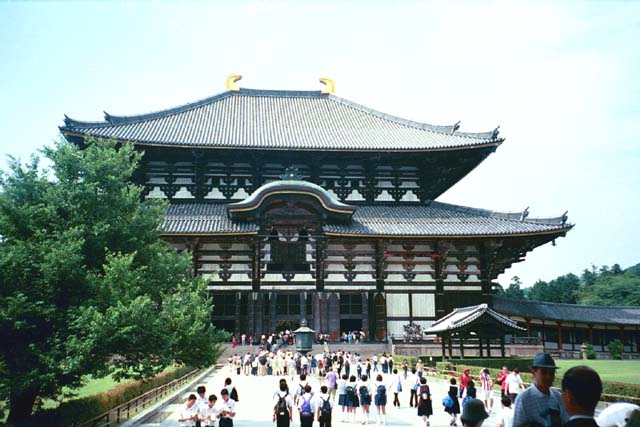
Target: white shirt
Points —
{"points": [[187, 412], [310, 398], [318, 401], [201, 402], [230, 406], [287, 398], [209, 415], [506, 417], [514, 383]]}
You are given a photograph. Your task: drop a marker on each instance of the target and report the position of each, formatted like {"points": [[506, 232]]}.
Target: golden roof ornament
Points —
{"points": [[329, 85], [230, 84]]}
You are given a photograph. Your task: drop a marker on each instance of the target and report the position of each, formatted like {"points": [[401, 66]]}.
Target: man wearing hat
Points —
{"points": [[473, 413], [539, 405]]}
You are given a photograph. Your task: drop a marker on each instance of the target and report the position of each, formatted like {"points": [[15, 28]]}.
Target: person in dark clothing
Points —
{"points": [[581, 390], [425, 408], [454, 410]]}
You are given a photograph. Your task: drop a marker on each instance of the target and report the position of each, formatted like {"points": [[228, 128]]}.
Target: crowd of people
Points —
{"points": [[343, 387]]}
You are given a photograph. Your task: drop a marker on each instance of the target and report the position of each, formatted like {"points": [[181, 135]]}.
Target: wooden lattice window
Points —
{"points": [[288, 256]]}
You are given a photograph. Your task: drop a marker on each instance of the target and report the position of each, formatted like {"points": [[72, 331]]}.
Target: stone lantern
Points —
{"points": [[304, 337]]}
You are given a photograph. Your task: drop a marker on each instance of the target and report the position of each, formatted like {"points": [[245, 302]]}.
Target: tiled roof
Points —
{"points": [[436, 219], [201, 218], [567, 312], [267, 119], [464, 316]]}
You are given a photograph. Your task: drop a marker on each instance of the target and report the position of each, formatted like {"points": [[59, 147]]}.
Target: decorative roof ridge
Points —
{"points": [[564, 304], [110, 119], [443, 129], [522, 216]]}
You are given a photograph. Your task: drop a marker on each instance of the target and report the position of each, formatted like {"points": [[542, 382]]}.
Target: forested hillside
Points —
{"points": [[595, 286]]}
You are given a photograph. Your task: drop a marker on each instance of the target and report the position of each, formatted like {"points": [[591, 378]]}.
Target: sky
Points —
{"points": [[561, 79]]}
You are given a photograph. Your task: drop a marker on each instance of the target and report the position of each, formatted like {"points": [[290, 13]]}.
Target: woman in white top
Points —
{"points": [[396, 387], [342, 394]]}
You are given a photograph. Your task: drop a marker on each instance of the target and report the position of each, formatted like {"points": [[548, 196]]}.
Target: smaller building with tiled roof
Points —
{"points": [[565, 327]]}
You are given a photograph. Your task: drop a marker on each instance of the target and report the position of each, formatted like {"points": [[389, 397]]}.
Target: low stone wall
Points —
{"points": [[432, 349]]}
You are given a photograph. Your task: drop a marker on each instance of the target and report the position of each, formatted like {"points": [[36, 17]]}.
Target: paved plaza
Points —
{"points": [[255, 405]]}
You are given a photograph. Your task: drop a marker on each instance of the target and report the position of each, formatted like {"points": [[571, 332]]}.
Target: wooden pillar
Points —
{"points": [[450, 348], [502, 346], [444, 351], [573, 337], [622, 337], [461, 338], [237, 320], [255, 267], [590, 333], [528, 323], [480, 346], [559, 336], [489, 347], [273, 296]]}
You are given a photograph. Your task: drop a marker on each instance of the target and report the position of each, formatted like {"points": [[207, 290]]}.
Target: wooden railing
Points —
{"points": [[129, 409]]}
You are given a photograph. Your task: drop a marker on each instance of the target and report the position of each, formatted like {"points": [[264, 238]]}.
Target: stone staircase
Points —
{"points": [[365, 350]]}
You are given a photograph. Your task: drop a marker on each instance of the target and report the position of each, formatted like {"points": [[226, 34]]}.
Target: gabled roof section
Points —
{"points": [[330, 204], [434, 220], [465, 316], [279, 120], [443, 219], [625, 315]]}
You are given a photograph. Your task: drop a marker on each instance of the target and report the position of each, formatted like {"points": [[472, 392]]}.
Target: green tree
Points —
{"points": [[615, 348], [563, 289], [621, 289], [86, 284], [515, 288]]}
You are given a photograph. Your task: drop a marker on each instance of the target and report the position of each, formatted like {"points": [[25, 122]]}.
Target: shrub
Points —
{"points": [[615, 348], [74, 412], [591, 353]]}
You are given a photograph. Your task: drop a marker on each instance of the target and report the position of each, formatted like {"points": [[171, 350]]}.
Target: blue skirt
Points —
{"points": [[342, 399], [380, 400]]}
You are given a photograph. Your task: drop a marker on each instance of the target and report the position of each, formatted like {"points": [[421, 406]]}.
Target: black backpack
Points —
{"points": [[364, 393], [424, 393], [351, 393], [382, 391], [234, 394], [325, 409], [281, 407]]}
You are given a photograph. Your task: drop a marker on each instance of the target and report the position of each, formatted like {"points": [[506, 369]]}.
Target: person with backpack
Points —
{"points": [[305, 407], [300, 389], [352, 398], [380, 400], [324, 405], [342, 395], [454, 409], [282, 406], [425, 407], [233, 393], [396, 387], [365, 392]]}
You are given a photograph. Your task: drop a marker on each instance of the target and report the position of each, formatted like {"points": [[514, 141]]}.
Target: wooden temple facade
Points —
{"points": [[301, 204]]}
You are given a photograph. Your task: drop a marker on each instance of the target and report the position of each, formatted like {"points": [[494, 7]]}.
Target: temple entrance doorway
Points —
{"points": [[349, 325]]}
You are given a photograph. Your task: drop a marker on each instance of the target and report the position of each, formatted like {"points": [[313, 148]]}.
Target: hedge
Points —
{"points": [[74, 412], [616, 389]]}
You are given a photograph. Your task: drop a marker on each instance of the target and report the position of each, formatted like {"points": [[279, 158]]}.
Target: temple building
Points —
{"points": [[303, 205]]}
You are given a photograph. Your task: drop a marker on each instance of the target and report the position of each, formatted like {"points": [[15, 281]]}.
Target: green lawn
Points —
{"points": [[95, 386], [624, 371]]}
